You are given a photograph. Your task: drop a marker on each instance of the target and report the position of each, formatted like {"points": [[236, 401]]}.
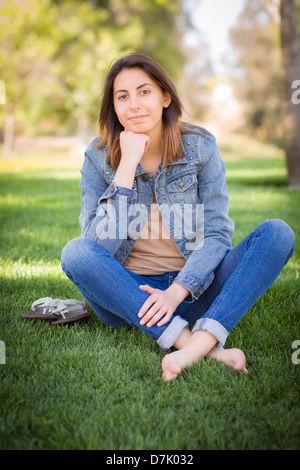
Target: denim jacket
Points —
{"points": [[113, 216]]}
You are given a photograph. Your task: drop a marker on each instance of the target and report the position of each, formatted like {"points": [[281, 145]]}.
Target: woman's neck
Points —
{"points": [[152, 158], [150, 163]]}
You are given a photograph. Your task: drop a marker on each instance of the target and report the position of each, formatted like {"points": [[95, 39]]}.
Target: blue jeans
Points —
{"points": [[242, 277]]}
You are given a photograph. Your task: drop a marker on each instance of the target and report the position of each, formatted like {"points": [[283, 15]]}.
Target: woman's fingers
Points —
{"points": [[147, 304], [146, 288], [157, 308], [149, 308], [133, 145], [153, 315], [165, 319], [162, 315]]}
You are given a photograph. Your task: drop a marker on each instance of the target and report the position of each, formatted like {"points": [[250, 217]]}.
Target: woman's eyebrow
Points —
{"points": [[144, 84], [138, 87]]}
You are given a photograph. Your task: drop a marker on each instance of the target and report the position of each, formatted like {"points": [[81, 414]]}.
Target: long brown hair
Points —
{"points": [[109, 125]]}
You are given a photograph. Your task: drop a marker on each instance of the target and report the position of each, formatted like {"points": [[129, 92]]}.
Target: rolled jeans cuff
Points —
{"points": [[213, 327], [169, 336]]}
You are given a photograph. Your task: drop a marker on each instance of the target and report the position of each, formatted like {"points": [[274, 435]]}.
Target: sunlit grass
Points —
{"points": [[35, 159], [237, 147]]}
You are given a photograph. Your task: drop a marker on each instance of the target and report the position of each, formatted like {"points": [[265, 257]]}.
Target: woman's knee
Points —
{"points": [[282, 234], [75, 252]]}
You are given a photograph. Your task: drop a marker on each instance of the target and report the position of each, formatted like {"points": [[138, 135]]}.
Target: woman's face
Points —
{"points": [[139, 102]]}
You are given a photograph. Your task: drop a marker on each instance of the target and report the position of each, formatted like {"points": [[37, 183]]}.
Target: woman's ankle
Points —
{"points": [[182, 339]]}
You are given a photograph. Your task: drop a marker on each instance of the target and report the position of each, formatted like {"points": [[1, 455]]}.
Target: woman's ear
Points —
{"points": [[167, 100]]}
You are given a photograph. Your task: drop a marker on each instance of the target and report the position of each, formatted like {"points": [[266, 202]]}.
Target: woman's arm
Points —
{"points": [[102, 204], [198, 272]]}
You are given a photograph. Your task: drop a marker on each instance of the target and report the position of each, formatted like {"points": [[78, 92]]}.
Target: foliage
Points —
{"points": [[256, 40], [54, 54]]}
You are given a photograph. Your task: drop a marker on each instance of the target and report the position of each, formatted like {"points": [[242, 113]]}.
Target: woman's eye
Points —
{"points": [[122, 97], [145, 92]]}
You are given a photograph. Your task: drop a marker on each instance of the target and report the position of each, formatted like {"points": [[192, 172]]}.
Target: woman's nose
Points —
{"points": [[134, 105]]}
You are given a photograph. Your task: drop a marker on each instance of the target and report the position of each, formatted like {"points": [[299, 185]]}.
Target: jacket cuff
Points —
{"points": [[195, 288], [214, 327], [114, 190]]}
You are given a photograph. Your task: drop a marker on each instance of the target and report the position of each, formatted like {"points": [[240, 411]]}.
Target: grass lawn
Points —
{"points": [[85, 386]]}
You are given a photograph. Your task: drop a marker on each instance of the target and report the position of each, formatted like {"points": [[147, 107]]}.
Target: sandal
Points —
{"points": [[50, 309], [70, 310]]}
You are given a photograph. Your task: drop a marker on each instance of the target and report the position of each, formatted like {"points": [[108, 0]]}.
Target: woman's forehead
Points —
{"points": [[132, 77]]}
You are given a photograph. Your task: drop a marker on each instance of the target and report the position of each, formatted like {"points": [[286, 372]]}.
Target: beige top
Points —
{"points": [[155, 251]]}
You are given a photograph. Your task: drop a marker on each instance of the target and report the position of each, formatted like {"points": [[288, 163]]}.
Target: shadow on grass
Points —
{"points": [[279, 182], [257, 172]]}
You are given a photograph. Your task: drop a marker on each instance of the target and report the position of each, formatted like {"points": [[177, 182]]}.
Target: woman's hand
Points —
{"points": [[133, 147], [161, 304]]}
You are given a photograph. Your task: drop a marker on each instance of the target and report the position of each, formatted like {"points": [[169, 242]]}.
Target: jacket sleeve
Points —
{"points": [[104, 206], [217, 227]]}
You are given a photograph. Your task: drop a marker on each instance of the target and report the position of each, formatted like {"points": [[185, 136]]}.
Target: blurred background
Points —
{"points": [[236, 67], [235, 64]]}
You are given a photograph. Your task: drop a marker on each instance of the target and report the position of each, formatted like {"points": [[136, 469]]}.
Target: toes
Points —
{"points": [[170, 369], [168, 377], [240, 363]]}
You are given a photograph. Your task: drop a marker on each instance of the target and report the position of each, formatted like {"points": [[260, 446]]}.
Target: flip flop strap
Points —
{"points": [[56, 306], [62, 306]]}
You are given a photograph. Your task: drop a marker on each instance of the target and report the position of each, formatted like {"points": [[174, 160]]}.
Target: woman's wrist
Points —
{"points": [[125, 175], [178, 291]]}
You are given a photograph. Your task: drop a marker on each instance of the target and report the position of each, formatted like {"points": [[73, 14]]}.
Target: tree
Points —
{"points": [[54, 55], [290, 59], [256, 40], [267, 44]]}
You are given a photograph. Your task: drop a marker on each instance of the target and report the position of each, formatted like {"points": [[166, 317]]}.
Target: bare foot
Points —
{"points": [[233, 358], [172, 364], [196, 347]]}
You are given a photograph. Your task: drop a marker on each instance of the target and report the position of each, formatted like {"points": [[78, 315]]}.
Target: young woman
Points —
{"points": [[155, 251]]}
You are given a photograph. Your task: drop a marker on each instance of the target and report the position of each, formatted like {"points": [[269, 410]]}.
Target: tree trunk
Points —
{"points": [[291, 73]]}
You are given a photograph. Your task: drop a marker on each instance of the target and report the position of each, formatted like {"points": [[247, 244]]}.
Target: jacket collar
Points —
{"points": [[187, 145]]}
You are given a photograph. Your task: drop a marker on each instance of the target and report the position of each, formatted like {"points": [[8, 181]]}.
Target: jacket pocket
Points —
{"points": [[183, 189]]}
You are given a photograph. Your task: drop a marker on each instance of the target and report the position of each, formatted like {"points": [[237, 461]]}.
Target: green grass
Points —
{"points": [[85, 386]]}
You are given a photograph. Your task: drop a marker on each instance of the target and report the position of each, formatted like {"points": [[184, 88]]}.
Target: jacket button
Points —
{"points": [[111, 189], [180, 183], [197, 291], [145, 178]]}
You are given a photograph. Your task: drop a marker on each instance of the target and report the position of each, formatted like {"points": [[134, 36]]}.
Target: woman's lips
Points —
{"points": [[137, 118]]}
